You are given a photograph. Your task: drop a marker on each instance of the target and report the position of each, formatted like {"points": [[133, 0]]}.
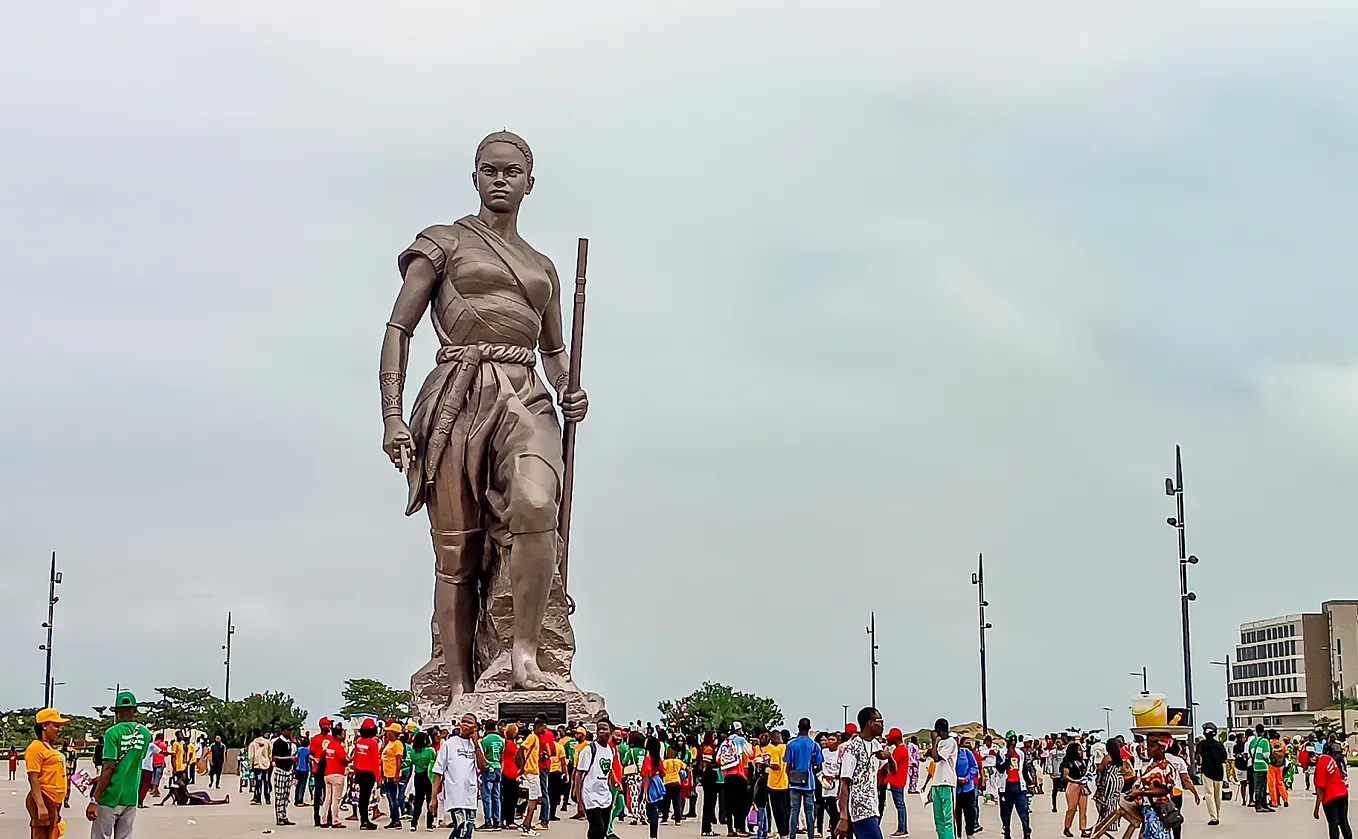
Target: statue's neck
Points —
{"points": [[506, 224]]}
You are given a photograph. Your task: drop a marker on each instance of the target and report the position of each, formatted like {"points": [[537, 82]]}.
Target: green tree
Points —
{"points": [[369, 696], [713, 707], [179, 709]]}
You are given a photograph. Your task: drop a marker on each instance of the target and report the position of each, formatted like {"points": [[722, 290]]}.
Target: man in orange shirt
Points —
{"points": [[392, 754]]}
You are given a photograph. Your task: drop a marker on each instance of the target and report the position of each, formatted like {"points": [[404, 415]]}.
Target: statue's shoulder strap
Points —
{"points": [[437, 243]]}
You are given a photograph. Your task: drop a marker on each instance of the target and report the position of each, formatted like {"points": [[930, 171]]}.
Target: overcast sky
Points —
{"points": [[873, 287]]}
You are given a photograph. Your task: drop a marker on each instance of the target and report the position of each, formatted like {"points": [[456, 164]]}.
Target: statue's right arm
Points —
{"points": [[417, 290]]}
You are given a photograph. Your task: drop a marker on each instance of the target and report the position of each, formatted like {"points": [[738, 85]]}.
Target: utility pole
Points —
{"points": [[230, 630], [846, 717], [872, 635], [1107, 723], [1145, 682], [1175, 487], [978, 580], [53, 580], [1227, 665]]}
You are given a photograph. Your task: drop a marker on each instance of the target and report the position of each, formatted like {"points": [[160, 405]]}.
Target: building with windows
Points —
{"points": [[1289, 670]]}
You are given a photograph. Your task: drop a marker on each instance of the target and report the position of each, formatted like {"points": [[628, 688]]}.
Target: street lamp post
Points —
{"points": [[872, 636], [978, 580], [846, 717], [230, 630], [53, 580], [1229, 715], [1145, 682], [1175, 487], [1107, 722]]}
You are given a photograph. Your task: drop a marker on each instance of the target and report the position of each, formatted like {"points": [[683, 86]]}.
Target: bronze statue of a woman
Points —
{"points": [[482, 451]]}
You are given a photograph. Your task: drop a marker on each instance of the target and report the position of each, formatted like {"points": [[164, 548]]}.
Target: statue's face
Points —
{"points": [[502, 178]]}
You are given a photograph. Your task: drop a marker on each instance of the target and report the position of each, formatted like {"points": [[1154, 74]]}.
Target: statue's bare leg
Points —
{"points": [[458, 557], [532, 556]]}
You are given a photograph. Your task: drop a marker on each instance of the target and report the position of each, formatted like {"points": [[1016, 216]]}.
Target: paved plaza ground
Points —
{"points": [[238, 820]]}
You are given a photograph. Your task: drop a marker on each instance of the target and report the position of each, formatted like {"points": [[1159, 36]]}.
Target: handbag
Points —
{"points": [[1169, 815]]}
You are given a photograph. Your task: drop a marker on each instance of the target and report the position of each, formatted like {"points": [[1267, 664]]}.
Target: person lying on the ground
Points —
{"points": [[179, 792]]}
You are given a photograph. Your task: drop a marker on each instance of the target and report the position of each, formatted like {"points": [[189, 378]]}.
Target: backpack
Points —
{"points": [[1277, 756]]}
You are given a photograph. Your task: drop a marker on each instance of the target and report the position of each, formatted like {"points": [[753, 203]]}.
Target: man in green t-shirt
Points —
{"points": [[493, 744], [1259, 749], [113, 802]]}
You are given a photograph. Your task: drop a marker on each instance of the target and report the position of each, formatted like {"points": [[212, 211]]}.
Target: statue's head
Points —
{"points": [[504, 171]]}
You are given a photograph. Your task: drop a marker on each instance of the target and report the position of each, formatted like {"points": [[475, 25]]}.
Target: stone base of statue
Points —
{"points": [[429, 686], [559, 707]]}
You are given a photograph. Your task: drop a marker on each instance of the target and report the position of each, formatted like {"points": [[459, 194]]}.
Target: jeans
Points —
{"points": [[653, 817], [261, 785], [490, 796], [299, 779], [157, 772], [392, 788], [1014, 798], [1337, 815], [803, 802], [672, 802], [898, 798]]}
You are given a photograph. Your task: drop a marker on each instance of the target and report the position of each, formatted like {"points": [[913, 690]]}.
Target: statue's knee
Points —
{"points": [[533, 499]]}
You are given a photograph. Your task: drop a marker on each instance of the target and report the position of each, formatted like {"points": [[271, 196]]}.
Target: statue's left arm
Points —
{"points": [[555, 360]]}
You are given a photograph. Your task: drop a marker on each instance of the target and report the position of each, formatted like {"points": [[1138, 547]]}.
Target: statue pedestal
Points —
{"points": [[519, 706]]}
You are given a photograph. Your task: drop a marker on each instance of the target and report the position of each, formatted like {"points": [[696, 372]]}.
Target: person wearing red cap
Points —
{"points": [[367, 769], [898, 776], [316, 757]]}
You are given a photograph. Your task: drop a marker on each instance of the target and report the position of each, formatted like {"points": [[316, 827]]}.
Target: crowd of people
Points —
{"points": [[526, 776]]}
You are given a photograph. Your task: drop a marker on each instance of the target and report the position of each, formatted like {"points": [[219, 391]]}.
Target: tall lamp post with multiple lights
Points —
{"points": [[872, 637], [1229, 714], [1175, 487], [230, 630], [978, 580], [53, 580]]}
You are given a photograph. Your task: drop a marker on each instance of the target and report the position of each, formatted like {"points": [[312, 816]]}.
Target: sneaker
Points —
{"points": [[1213, 823], [528, 832]]}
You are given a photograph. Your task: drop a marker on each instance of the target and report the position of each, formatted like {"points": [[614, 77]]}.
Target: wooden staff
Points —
{"points": [[568, 432]]}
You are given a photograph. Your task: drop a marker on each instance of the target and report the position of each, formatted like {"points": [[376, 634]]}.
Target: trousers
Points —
{"points": [[1277, 790], [804, 803], [1014, 798], [1337, 816], [898, 799], [490, 797], [391, 787], [966, 811], [282, 789], [366, 781], [334, 797], [317, 795], [943, 800], [1212, 795]]}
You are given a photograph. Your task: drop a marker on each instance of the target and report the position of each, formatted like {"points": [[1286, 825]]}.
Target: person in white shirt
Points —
{"points": [[859, 761], [593, 786], [456, 770], [943, 791]]}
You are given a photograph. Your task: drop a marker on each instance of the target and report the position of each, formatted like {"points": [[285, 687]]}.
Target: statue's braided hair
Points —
{"points": [[506, 137]]}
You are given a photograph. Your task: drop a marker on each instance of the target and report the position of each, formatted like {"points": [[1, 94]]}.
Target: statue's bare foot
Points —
{"points": [[527, 674]]}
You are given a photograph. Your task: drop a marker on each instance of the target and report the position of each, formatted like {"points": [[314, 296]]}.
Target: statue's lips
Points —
{"points": [[499, 195]]}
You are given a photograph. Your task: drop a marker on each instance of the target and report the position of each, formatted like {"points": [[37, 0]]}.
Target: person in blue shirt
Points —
{"points": [[301, 771], [968, 776], [803, 759]]}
